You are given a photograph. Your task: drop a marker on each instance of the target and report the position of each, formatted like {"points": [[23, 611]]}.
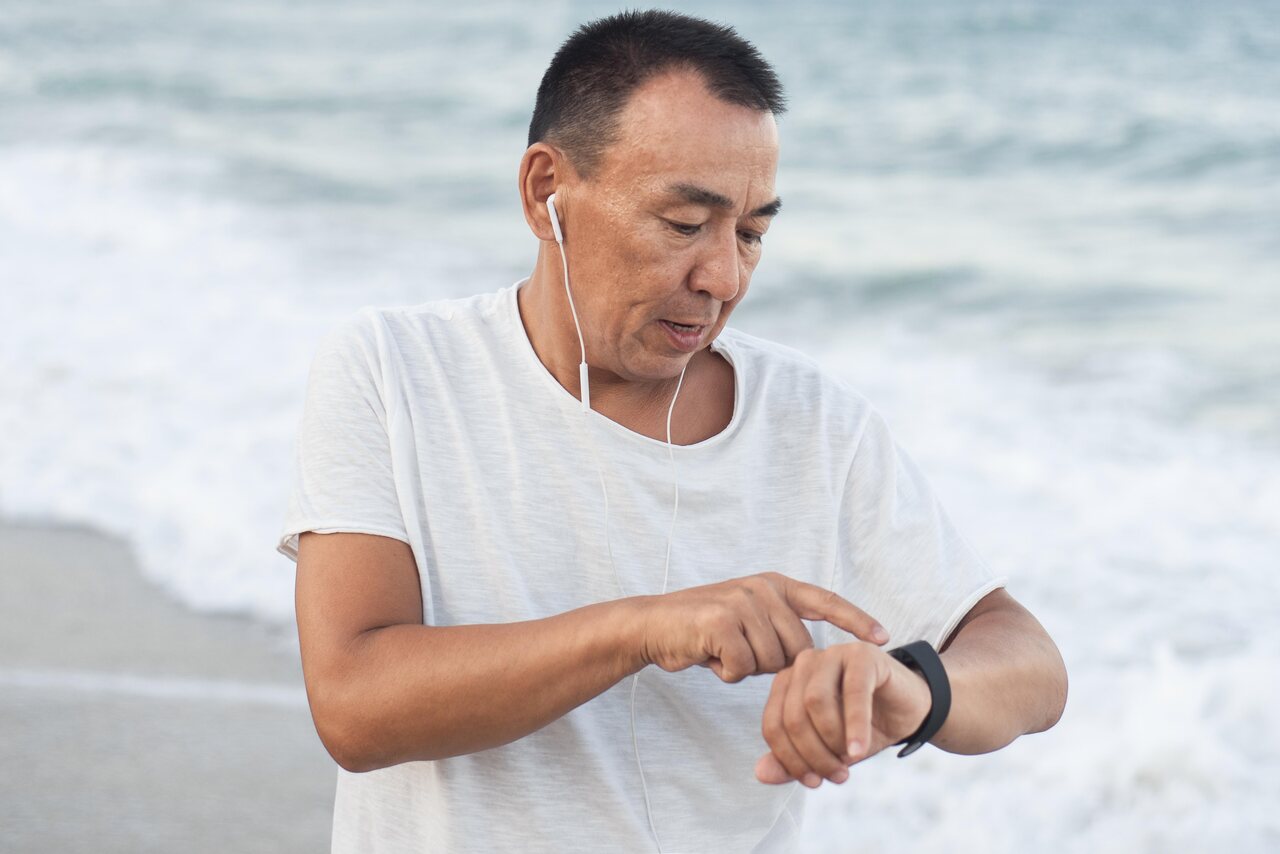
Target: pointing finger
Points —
{"points": [[816, 603]]}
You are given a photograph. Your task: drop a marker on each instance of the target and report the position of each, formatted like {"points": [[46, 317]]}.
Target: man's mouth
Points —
{"points": [[685, 337]]}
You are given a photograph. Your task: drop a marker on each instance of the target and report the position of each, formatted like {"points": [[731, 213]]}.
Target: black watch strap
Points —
{"points": [[920, 656]]}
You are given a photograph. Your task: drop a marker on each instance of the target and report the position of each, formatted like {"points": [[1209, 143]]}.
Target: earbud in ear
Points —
{"points": [[555, 218]]}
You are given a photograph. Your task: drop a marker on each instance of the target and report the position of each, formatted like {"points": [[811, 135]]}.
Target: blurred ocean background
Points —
{"points": [[1043, 238]]}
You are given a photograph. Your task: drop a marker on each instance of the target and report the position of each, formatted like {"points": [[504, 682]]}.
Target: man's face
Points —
{"points": [[669, 227]]}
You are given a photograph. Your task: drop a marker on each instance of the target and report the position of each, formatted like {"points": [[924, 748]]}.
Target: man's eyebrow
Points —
{"points": [[696, 195], [770, 209]]}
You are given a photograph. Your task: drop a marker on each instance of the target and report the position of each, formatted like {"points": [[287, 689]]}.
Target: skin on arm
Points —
{"points": [[384, 688], [1007, 679]]}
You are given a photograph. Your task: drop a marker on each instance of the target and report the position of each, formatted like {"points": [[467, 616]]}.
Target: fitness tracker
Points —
{"points": [[922, 658]]}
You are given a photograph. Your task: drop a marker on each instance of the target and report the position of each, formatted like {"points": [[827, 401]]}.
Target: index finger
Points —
{"points": [[817, 603]]}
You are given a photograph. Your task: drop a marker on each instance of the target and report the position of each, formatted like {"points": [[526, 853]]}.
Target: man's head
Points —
{"points": [[656, 132], [595, 72]]}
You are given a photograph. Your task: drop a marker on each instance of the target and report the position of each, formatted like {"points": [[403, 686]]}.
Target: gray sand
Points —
{"points": [[129, 723]]}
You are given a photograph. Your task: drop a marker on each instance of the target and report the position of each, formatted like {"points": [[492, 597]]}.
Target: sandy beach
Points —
{"points": [[129, 723]]}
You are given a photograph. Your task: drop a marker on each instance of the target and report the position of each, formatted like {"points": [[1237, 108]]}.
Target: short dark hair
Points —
{"points": [[596, 70]]}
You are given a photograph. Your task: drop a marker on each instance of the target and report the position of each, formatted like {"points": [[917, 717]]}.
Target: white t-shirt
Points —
{"points": [[438, 425]]}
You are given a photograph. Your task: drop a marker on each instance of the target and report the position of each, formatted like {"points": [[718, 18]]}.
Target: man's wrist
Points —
{"points": [[921, 658], [926, 699], [628, 630]]}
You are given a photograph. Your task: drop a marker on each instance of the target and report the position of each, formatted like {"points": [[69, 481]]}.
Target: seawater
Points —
{"points": [[1041, 238]]}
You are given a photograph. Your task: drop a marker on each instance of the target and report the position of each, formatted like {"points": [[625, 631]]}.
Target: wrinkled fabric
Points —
{"points": [[437, 424]]}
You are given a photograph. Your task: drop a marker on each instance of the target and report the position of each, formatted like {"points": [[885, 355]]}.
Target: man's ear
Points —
{"points": [[543, 170]]}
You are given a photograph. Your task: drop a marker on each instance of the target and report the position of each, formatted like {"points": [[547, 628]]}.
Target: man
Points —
{"points": [[483, 559]]}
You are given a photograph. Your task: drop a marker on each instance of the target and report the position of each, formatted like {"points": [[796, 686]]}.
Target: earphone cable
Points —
{"points": [[635, 679], [585, 395]]}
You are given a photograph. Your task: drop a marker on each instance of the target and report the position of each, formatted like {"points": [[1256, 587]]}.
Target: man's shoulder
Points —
{"points": [[409, 326], [777, 367], [793, 391], [447, 310], [768, 351]]}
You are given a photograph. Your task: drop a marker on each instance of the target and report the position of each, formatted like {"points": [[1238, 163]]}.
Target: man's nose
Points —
{"points": [[719, 270]]}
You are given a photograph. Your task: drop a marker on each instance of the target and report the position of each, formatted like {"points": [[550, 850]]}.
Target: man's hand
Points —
{"points": [[835, 707], [745, 626]]}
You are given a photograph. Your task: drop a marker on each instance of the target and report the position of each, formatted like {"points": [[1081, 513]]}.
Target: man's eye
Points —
{"points": [[751, 237], [685, 229]]}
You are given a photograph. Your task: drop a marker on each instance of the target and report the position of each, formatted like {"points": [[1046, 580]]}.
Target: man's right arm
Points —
{"points": [[385, 689]]}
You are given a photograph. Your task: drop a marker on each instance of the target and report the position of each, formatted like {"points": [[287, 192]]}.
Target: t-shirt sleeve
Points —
{"points": [[900, 557], [343, 471]]}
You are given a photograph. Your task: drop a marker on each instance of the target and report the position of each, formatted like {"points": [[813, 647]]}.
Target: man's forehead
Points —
{"points": [[678, 141]]}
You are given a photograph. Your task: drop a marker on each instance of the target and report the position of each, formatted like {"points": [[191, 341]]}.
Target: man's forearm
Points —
{"points": [[1007, 678], [416, 692]]}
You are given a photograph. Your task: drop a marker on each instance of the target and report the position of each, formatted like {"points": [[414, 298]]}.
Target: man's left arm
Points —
{"points": [[1007, 679]]}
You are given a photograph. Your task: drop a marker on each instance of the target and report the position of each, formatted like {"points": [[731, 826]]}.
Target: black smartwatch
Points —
{"points": [[922, 658]]}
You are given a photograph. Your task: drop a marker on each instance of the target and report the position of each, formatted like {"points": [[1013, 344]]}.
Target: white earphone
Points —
{"points": [[582, 368], [555, 218]]}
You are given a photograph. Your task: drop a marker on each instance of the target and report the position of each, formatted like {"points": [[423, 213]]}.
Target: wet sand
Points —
{"points": [[129, 723]]}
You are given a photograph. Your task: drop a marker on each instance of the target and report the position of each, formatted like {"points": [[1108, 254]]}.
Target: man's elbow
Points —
{"points": [[1055, 691], [348, 757], [343, 737], [1047, 673]]}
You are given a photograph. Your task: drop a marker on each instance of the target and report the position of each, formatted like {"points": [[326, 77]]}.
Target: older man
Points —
{"points": [[509, 505]]}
